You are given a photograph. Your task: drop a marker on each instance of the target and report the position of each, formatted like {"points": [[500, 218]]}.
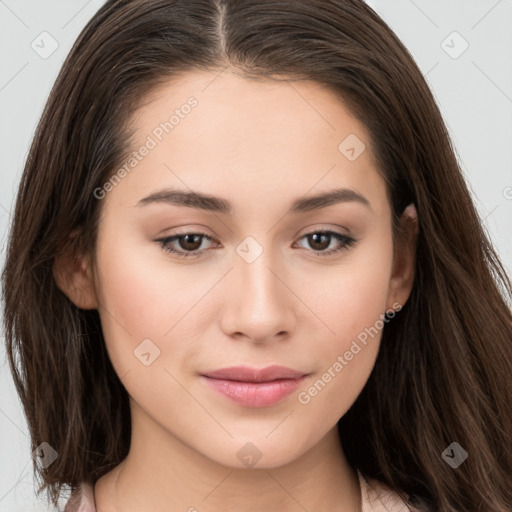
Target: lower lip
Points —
{"points": [[255, 394]]}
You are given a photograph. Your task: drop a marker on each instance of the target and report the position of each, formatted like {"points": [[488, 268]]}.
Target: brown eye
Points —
{"points": [[188, 244], [319, 241]]}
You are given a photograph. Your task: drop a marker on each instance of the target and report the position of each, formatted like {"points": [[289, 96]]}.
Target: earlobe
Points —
{"points": [[402, 278], [73, 275]]}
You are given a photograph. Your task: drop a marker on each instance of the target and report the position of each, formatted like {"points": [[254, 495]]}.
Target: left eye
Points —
{"points": [[190, 243], [321, 240]]}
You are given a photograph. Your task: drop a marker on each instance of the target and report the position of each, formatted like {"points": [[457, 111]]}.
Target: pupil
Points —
{"points": [[316, 240], [189, 240]]}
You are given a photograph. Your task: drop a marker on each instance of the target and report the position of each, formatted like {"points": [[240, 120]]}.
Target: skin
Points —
{"points": [[259, 145]]}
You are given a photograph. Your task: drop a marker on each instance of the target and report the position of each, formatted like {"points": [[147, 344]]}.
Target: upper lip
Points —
{"points": [[248, 374]]}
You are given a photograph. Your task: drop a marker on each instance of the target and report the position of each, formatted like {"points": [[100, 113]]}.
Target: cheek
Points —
{"points": [[351, 296], [351, 304], [140, 301]]}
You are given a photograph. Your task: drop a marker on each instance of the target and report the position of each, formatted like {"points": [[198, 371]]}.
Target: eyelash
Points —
{"points": [[347, 242]]}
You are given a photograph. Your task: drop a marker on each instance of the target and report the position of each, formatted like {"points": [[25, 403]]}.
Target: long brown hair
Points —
{"points": [[443, 373]]}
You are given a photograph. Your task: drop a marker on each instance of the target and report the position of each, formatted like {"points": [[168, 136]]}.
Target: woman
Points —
{"points": [[247, 271]]}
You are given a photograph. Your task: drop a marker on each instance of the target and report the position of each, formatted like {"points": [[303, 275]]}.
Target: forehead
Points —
{"points": [[230, 101], [207, 130]]}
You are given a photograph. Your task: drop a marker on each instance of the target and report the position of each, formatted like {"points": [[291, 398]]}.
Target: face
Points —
{"points": [[262, 275]]}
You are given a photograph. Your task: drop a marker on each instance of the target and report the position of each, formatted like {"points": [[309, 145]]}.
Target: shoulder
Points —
{"points": [[81, 499], [377, 497]]}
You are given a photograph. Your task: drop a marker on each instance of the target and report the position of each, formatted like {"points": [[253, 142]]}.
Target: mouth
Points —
{"points": [[252, 387]]}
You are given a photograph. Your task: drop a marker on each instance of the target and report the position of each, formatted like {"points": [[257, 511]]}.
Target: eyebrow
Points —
{"points": [[218, 205]]}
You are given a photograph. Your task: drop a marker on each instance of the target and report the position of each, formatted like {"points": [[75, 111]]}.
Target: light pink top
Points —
{"points": [[375, 497]]}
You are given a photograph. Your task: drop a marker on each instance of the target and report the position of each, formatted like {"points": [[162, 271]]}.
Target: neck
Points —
{"points": [[161, 473]]}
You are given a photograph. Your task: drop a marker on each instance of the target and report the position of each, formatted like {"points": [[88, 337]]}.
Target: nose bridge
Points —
{"points": [[259, 304], [253, 269]]}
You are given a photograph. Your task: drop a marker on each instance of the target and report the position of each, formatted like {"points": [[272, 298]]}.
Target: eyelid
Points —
{"points": [[316, 228]]}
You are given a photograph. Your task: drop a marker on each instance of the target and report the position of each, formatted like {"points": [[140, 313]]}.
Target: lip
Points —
{"points": [[253, 387], [249, 374]]}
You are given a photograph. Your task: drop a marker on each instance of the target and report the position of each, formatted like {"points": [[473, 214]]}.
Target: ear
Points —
{"points": [[402, 276], [73, 275]]}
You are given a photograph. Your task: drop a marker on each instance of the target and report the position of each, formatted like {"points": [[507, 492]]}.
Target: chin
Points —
{"points": [[257, 454]]}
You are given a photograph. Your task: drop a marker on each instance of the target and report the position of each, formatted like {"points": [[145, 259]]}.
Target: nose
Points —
{"points": [[259, 304]]}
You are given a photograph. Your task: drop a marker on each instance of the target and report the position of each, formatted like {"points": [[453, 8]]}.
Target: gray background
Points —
{"points": [[473, 88]]}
